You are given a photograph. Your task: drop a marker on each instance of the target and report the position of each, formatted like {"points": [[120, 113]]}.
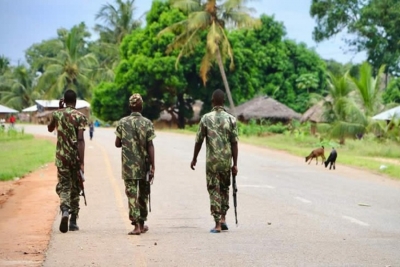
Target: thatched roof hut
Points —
{"points": [[264, 107], [315, 114]]}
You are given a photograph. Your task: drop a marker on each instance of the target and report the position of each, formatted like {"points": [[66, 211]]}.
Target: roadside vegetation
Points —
{"points": [[370, 153], [21, 153]]}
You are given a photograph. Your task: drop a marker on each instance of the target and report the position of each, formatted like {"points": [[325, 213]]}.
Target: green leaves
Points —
{"points": [[372, 25], [71, 67]]}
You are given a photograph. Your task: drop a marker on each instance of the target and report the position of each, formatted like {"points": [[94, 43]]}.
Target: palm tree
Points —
{"points": [[341, 110], [18, 88], [119, 21], [71, 68], [208, 17], [368, 89], [4, 64]]}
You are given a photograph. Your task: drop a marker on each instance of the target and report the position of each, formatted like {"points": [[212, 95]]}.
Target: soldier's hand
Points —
{"points": [[151, 174], [234, 170], [83, 167], [193, 163]]}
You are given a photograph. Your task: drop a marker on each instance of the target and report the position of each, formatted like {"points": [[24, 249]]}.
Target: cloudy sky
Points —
{"points": [[24, 22]]}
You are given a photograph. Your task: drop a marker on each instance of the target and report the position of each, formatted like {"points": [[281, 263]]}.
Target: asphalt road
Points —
{"points": [[290, 213]]}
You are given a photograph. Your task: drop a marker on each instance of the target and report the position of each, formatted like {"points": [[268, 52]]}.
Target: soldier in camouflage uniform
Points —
{"points": [[220, 130], [70, 125], [134, 134]]}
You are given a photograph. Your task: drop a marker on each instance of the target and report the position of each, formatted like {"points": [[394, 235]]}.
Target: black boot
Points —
{"points": [[64, 220], [73, 226]]}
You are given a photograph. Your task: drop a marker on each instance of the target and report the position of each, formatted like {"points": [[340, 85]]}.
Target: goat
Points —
{"points": [[319, 152], [331, 159]]}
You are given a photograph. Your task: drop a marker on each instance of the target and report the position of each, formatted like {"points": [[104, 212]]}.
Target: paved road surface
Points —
{"points": [[290, 213]]}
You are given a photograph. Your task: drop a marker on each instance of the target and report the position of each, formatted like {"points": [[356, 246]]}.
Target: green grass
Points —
{"points": [[7, 134], [20, 154], [368, 154]]}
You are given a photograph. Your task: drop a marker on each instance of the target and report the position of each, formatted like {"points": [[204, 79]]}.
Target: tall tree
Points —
{"points": [[206, 22], [72, 67], [18, 88], [147, 69], [119, 21], [373, 27]]}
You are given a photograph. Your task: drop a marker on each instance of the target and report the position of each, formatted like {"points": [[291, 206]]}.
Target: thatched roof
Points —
{"points": [[316, 112], [264, 107]]}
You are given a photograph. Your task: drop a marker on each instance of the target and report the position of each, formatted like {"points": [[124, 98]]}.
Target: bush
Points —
{"points": [[278, 128]]}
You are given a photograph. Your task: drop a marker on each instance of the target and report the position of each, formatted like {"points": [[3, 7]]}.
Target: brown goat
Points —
{"points": [[319, 152]]}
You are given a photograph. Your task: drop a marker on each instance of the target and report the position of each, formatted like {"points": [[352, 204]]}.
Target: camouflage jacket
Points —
{"points": [[220, 130], [134, 131], [68, 121]]}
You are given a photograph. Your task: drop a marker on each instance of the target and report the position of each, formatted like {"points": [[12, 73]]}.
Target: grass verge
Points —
{"points": [[23, 155], [367, 154]]}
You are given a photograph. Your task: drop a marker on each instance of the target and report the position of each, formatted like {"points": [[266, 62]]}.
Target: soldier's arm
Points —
{"points": [[234, 147], [52, 125], [118, 133], [235, 152], [150, 151], [201, 133], [81, 147]]}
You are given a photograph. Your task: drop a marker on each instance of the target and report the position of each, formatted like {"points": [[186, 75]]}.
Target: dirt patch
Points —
{"points": [[6, 190], [27, 210]]}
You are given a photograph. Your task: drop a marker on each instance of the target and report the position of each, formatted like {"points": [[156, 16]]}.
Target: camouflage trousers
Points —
{"points": [[68, 188], [218, 189], [137, 192]]}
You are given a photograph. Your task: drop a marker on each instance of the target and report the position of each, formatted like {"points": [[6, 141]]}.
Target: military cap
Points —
{"points": [[135, 99]]}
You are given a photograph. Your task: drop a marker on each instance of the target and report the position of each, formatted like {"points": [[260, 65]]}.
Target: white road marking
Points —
{"points": [[257, 186], [354, 220], [303, 200]]}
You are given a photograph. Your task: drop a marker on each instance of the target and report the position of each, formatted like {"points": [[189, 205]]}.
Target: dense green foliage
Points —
{"points": [[265, 63], [373, 27]]}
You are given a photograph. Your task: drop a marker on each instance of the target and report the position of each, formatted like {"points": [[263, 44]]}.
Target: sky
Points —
{"points": [[25, 22]]}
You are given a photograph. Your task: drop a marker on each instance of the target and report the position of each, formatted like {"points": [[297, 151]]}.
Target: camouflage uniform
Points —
{"points": [[68, 121], [135, 131], [219, 129]]}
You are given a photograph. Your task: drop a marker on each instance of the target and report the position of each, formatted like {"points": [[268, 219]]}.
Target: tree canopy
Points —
{"points": [[372, 26]]}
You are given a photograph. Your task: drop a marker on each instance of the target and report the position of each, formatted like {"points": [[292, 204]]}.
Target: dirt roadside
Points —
{"points": [[27, 210]]}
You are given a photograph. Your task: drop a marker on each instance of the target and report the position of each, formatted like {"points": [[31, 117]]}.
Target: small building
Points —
{"points": [[315, 115], [29, 114], [5, 112], [267, 108]]}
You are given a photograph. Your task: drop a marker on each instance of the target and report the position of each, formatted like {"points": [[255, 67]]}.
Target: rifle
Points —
{"points": [[81, 178], [234, 186]]}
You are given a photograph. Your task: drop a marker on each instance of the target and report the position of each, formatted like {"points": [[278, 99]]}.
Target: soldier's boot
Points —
{"points": [[73, 226], [64, 220]]}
